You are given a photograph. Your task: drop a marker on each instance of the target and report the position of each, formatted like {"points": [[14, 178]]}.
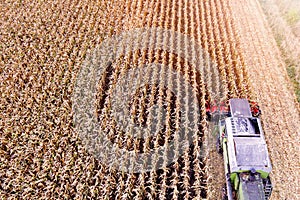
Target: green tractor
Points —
{"points": [[247, 164]]}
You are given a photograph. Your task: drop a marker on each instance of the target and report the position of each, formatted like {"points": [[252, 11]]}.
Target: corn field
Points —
{"points": [[106, 99]]}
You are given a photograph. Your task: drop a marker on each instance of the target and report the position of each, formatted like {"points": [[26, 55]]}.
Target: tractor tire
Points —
{"points": [[218, 146], [224, 193]]}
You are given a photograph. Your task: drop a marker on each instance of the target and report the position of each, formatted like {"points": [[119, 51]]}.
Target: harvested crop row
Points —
{"points": [[281, 112]]}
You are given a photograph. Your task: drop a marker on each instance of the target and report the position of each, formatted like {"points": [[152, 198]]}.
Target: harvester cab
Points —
{"points": [[242, 144]]}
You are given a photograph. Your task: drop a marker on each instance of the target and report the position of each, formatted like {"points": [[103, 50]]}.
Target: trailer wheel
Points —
{"points": [[218, 145], [225, 197], [208, 116], [224, 193]]}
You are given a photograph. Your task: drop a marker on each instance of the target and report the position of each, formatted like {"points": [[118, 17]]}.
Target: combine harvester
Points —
{"points": [[241, 142]]}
